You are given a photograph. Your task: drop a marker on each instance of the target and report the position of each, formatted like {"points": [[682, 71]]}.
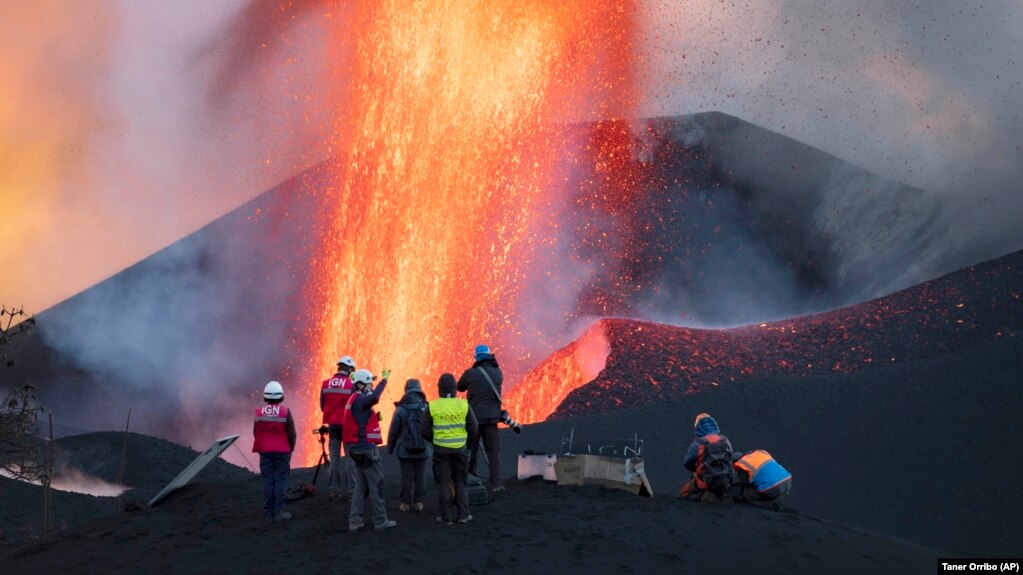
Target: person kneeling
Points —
{"points": [[710, 459], [761, 479]]}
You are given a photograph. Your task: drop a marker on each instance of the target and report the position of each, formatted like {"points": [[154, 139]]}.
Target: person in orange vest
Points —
{"points": [[761, 479], [274, 440], [334, 396], [709, 458], [448, 422], [361, 436]]}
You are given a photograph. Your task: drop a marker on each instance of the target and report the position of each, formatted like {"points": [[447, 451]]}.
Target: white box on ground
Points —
{"points": [[537, 465]]}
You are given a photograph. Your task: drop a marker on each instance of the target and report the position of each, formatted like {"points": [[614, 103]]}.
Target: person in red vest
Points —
{"points": [[362, 435], [334, 396], [274, 434], [709, 458]]}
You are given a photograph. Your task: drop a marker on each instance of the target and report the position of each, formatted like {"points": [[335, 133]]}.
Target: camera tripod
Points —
{"points": [[324, 461]]}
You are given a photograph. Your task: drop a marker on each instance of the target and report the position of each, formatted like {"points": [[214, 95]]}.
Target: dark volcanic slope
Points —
{"points": [[706, 218], [653, 362], [922, 450], [21, 507], [150, 462], [533, 528]]}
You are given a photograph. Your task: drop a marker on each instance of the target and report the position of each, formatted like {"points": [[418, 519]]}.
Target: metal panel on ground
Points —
{"points": [[193, 469]]}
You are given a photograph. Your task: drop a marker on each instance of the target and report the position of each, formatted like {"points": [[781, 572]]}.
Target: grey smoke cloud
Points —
{"points": [[926, 93]]}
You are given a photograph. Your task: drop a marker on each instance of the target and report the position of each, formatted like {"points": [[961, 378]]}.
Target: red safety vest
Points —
{"points": [[350, 429], [271, 429], [336, 393]]}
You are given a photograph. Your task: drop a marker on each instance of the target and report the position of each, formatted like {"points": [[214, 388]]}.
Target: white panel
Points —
{"points": [[193, 469]]}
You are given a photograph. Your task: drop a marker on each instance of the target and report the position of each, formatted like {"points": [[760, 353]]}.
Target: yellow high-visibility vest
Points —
{"points": [[448, 415]]}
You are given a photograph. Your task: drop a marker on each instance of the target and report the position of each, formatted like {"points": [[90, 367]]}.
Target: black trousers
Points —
{"points": [[450, 468], [413, 479], [492, 446]]}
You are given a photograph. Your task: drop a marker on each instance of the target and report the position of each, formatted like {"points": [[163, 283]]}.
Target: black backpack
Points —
{"points": [[412, 439], [717, 471]]}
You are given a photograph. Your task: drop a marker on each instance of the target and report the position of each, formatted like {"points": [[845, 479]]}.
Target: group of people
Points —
{"points": [[721, 475], [447, 430]]}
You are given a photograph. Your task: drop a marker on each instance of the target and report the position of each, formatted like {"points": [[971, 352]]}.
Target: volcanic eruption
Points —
{"points": [[488, 181], [447, 164]]}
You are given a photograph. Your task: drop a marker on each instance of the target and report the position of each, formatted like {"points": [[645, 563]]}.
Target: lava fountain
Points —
{"points": [[447, 162]]}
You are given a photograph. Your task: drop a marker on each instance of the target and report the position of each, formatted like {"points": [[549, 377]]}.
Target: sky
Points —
{"points": [[126, 125]]}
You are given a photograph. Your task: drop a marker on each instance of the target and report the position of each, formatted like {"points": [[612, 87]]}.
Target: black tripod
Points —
{"points": [[324, 460]]}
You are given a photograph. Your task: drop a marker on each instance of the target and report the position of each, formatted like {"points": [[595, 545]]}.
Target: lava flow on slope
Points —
{"points": [[645, 362]]}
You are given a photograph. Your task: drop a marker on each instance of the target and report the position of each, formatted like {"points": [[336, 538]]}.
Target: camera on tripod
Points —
{"points": [[321, 431], [507, 420]]}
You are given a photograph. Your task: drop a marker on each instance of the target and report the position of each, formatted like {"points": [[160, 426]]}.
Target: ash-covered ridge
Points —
{"points": [[649, 363]]}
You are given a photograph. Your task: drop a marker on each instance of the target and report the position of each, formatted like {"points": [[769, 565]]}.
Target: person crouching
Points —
{"points": [[361, 436], [710, 459], [762, 480], [447, 423], [274, 440]]}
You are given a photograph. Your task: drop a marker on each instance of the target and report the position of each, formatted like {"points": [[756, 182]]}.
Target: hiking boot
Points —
{"points": [[444, 521], [356, 527], [418, 506], [387, 524], [282, 515], [465, 519], [404, 507]]}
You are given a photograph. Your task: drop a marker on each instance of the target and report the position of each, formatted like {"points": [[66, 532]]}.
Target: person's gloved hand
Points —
{"points": [[386, 374]]}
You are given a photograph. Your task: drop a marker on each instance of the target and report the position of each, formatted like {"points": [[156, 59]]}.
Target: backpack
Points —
{"points": [[412, 440], [716, 469]]}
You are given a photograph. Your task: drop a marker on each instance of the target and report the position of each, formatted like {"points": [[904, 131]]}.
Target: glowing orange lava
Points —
{"points": [[543, 388], [446, 156]]}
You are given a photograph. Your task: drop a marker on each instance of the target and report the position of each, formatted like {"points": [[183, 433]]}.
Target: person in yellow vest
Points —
{"points": [[447, 423]]}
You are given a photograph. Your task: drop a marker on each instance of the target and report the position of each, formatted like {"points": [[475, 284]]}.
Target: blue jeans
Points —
{"points": [[275, 468]]}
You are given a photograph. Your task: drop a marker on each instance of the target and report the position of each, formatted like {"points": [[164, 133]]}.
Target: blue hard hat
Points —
{"points": [[483, 352]]}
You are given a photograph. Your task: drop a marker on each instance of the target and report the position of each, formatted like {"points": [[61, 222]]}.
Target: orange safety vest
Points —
{"points": [[764, 472]]}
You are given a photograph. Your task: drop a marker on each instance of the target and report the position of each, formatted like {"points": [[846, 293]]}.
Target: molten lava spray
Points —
{"points": [[447, 159], [547, 385]]}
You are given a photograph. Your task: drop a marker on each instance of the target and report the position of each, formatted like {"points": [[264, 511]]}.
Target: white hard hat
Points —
{"points": [[273, 390], [346, 360], [362, 376]]}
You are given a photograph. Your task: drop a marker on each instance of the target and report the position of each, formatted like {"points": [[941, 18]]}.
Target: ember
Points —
{"points": [[956, 311], [447, 124]]}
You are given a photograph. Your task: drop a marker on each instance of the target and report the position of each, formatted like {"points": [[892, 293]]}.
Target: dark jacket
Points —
{"points": [[481, 397], [446, 386], [706, 426], [362, 406], [414, 398]]}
